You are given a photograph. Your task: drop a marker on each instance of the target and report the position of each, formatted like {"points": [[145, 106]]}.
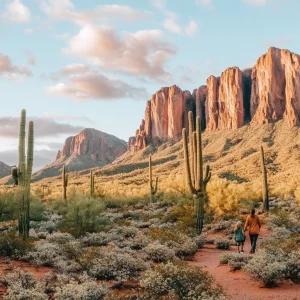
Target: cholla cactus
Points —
{"points": [[92, 184], [64, 177], [194, 168], [264, 180], [22, 175], [153, 189]]}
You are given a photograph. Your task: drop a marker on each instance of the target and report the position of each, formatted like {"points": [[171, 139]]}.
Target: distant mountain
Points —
{"points": [[4, 170], [89, 149]]}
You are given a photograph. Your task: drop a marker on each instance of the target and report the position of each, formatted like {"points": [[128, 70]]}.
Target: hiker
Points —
{"points": [[239, 236], [254, 225]]}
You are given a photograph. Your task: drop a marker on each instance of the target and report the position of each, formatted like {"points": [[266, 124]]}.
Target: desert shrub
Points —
{"points": [[81, 215], [139, 242], [200, 240], [221, 225], [267, 267], [225, 197], [221, 243], [115, 264], [281, 218], [183, 245], [160, 253], [95, 239], [12, 245], [60, 238], [80, 287], [236, 261], [21, 285], [293, 266], [181, 281]]}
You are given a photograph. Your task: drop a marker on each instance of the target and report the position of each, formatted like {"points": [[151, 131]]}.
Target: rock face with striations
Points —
{"points": [[89, 149], [275, 90], [265, 93]]}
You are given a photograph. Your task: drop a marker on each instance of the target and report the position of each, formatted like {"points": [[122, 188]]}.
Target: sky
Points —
{"points": [[75, 64]]}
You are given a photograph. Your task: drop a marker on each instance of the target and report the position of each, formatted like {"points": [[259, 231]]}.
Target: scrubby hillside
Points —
{"points": [[4, 169], [232, 155]]}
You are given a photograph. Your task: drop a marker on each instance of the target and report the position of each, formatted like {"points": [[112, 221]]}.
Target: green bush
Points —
{"points": [[11, 245], [222, 243], [236, 261], [180, 281]]}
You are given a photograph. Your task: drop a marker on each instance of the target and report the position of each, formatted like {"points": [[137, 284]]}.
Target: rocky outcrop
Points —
{"points": [[4, 170], [275, 90], [165, 116], [225, 100], [96, 145], [265, 93]]}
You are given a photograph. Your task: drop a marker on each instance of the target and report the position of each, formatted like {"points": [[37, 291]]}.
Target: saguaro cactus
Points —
{"points": [[22, 176], [265, 194], [153, 189], [92, 184], [194, 168], [64, 177]]}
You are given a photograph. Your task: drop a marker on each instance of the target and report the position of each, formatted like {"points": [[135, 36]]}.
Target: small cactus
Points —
{"points": [[265, 194], [14, 175], [153, 189], [92, 184], [194, 168], [64, 176]]}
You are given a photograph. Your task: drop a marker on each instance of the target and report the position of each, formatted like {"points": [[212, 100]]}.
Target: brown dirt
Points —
{"points": [[238, 285]]}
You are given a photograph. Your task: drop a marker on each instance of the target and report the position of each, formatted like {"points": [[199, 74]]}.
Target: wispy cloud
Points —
{"points": [[206, 3], [192, 28], [43, 127], [10, 71], [256, 2], [65, 10], [160, 4], [16, 12], [94, 86], [142, 53], [31, 60]]}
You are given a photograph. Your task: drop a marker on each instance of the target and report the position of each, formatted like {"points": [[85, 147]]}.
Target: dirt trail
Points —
{"points": [[238, 285]]}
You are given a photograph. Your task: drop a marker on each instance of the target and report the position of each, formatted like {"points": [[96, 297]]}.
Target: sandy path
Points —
{"points": [[238, 285]]}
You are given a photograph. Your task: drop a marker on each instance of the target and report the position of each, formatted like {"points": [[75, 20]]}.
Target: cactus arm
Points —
{"points": [[207, 176], [264, 181], [156, 184], [194, 166], [150, 173], [22, 166], [30, 153], [199, 181], [191, 143], [186, 161]]}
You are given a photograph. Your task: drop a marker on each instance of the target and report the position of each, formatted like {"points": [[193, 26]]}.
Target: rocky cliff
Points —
{"points": [[90, 148], [4, 170], [265, 93]]}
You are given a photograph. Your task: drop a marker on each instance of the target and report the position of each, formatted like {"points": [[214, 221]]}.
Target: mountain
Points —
{"points": [[4, 170], [266, 93], [89, 149]]}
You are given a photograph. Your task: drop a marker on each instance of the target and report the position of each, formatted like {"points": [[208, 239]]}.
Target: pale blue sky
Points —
{"points": [[95, 63]]}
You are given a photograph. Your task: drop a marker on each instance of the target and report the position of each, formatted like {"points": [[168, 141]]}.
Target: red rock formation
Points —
{"points": [[225, 100], [131, 143], [164, 116], [97, 145], [275, 87]]}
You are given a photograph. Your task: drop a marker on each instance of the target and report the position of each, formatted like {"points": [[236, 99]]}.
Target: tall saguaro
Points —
{"points": [[265, 193], [194, 168], [24, 173], [153, 189], [64, 177]]}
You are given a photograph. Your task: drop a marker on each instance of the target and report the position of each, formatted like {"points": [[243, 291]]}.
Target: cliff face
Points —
{"points": [[265, 93], [275, 90], [94, 144], [4, 170]]}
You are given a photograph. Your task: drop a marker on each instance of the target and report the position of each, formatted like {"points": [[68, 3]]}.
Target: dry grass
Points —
{"points": [[232, 155]]}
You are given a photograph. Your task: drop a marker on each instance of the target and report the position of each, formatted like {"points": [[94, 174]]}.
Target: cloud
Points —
{"points": [[65, 10], [171, 24], [143, 53], [74, 69], [95, 86], [43, 127], [10, 71], [16, 12], [40, 158], [192, 28], [31, 60], [159, 3], [206, 3], [256, 2]]}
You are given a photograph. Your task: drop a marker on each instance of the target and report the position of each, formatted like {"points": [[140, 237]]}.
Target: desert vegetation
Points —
{"points": [[100, 242]]}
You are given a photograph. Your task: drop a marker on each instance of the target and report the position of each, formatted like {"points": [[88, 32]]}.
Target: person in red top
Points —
{"points": [[254, 225]]}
